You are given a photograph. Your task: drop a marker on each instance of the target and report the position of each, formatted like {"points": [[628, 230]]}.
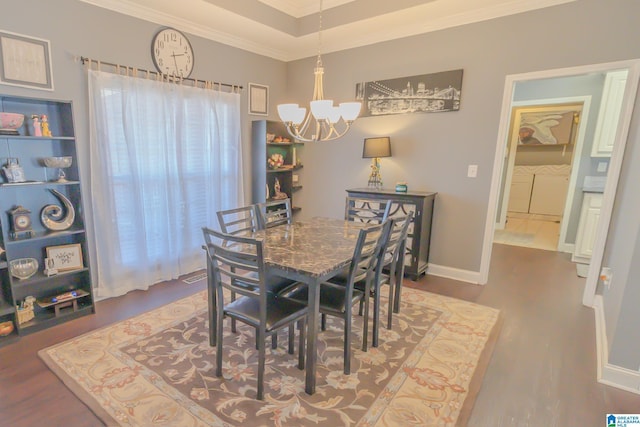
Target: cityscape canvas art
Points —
{"points": [[426, 93]]}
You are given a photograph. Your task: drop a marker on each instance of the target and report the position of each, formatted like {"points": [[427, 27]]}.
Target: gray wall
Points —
{"points": [[431, 151]]}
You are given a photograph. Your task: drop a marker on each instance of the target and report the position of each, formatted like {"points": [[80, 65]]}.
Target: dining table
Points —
{"points": [[310, 251]]}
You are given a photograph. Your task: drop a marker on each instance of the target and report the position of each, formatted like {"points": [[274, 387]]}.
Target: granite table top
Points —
{"points": [[313, 247]]}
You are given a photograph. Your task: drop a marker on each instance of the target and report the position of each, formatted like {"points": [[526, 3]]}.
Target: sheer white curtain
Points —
{"points": [[164, 159]]}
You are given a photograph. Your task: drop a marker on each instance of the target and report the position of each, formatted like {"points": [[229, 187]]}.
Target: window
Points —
{"points": [[164, 159]]}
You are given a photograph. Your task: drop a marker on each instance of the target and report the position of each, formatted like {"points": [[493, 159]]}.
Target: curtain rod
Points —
{"points": [[168, 77]]}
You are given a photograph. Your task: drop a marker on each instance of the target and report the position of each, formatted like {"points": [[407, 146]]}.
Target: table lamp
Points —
{"points": [[374, 148]]}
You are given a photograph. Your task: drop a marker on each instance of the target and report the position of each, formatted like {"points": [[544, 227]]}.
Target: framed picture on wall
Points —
{"points": [[25, 61], [258, 99], [547, 125]]}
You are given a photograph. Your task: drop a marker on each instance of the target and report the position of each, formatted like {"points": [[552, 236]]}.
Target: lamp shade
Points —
{"points": [[376, 147]]}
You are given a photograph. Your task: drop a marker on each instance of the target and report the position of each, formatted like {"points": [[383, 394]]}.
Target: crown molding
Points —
{"points": [[212, 22]]}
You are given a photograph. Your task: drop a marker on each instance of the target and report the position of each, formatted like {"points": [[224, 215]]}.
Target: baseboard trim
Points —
{"points": [[454, 273], [611, 375]]}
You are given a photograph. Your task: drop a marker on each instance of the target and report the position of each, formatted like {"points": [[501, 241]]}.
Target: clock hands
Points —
{"points": [[174, 59]]}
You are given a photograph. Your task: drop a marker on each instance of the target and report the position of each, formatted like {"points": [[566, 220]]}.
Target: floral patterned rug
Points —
{"points": [[158, 369]]}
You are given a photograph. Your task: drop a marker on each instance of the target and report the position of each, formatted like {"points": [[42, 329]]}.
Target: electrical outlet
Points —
{"points": [[472, 171], [602, 167]]}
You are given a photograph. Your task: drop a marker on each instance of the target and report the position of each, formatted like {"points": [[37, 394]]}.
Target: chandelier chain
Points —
{"points": [[319, 61]]}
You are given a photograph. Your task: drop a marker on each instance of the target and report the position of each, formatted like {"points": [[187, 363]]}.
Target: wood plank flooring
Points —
{"points": [[542, 372]]}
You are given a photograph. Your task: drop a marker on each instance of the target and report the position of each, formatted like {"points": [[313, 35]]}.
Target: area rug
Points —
{"points": [[158, 369]]}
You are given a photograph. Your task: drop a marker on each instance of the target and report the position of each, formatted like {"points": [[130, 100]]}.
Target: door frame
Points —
{"points": [[615, 163], [585, 102]]}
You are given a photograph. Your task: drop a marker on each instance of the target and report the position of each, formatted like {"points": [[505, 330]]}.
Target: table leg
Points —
{"points": [[312, 336]]}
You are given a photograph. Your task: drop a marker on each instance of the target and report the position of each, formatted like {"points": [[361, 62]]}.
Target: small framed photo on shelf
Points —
{"points": [[65, 257], [258, 99], [25, 61]]}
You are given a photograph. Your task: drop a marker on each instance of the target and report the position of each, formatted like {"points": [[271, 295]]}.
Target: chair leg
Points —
{"points": [[292, 336], [365, 323], [233, 321], [301, 345], [261, 361], [274, 341], [376, 317], [219, 346], [323, 321], [398, 290], [213, 315], [347, 343], [390, 310]]}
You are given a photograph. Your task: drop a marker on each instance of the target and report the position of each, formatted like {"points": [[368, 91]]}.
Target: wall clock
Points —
{"points": [[172, 53]]}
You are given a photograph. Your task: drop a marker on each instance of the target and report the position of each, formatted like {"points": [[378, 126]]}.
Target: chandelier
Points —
{"points": [[322, 121]]}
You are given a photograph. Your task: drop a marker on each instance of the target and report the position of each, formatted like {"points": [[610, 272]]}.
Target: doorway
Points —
{"points": [[545, 139], [614, 164]]}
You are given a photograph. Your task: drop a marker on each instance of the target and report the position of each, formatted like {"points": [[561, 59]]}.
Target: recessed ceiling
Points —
{"points": [[288, 29]]}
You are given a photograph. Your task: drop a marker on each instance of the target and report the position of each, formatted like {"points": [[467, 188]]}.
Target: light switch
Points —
{"points": [[472, 171], [602, 167]]}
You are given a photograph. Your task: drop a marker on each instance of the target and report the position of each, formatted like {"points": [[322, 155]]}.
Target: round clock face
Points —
{"points": [[22, 222], [172, 53]]}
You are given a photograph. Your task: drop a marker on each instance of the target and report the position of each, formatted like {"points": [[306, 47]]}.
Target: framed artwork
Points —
{"points": [[546, 125], [25, 61], [258, 99], [65, 257], [425, 93]]}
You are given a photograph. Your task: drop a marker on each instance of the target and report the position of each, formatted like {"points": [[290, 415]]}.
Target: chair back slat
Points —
{"points": [[365, 251], [275, 212], [231, 258], [239, 221], [372, 211], [397, 236]]}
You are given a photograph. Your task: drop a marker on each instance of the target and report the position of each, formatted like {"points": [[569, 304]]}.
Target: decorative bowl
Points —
{"points": [[23, 268], [58, 162], [6, 328], [10, 122]]}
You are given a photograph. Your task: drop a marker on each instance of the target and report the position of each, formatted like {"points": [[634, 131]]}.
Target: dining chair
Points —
{"points": [[337, 300], [242, 220], [366, 210], [273, 283], [274, 212], [257, 306], [389, 271]]}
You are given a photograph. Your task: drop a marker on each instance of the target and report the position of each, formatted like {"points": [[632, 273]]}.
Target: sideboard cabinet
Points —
{"points": [[418, 241]]}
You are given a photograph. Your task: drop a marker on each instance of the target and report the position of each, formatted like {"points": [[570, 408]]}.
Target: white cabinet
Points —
{"points": [[539, 189], [520, 193], [587, 227], [549, 194], [610, 107]]}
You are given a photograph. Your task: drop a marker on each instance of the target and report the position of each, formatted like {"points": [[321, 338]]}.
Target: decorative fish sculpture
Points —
{"points": [[54, 218]]}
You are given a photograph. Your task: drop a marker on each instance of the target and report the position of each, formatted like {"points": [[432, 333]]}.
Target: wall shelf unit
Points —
{"points": [[264, 177], [34, 195]]}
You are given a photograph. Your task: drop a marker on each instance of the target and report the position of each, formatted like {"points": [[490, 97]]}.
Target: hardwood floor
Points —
{"points": [[542, 371]]}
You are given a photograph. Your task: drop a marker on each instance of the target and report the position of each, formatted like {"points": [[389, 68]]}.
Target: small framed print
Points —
{"points": [[25, 61], [258, 99], [65, 257]]}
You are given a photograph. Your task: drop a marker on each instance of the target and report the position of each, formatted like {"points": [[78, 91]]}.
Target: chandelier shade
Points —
{"points": [[323, 121]]}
